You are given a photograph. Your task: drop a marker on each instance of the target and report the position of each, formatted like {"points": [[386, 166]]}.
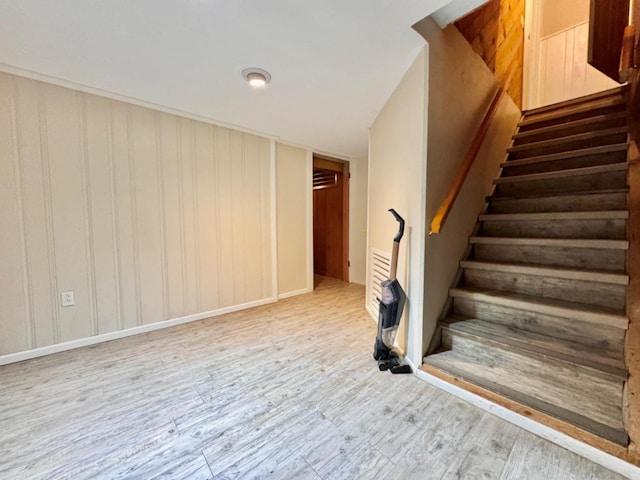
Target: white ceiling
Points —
{"points": [[334, 62]]}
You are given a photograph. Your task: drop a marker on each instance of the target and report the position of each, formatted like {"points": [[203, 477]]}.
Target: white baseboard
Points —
{"points": [[85, 342], [593, 454], [295, 293]]}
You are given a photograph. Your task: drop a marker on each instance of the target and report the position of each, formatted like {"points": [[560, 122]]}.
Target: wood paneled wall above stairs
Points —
{"points": [[539, 315], [496, 33]]}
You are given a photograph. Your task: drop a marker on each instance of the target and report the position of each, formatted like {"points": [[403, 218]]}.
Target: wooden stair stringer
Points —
{"points": [[506, 400]]}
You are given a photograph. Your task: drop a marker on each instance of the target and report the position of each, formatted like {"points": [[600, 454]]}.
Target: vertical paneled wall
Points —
{"points": [[564, 72], [146, 216]]}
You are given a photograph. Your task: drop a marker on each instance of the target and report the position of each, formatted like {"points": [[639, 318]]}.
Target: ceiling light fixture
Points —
{"points": [[257, 77]]}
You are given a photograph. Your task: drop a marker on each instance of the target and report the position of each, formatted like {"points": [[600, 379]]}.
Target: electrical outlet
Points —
{"points": [[67, 299]]}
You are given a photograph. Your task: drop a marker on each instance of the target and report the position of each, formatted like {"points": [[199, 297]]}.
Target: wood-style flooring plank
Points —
{"points": [[288, 390]]}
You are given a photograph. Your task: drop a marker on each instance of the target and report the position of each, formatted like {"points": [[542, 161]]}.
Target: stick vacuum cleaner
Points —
{"points": [[390, 313]]}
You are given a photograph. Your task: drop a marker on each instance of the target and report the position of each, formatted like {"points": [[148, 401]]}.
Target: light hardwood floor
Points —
{"points": [[288, 391]]}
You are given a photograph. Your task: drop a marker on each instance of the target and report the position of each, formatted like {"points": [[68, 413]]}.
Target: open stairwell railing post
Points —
{"points": [[627, 53], [458, 180]]}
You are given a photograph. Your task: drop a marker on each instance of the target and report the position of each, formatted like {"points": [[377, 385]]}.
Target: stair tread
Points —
{"points": [[567, 139], [560, 194], [572, 172], [575, 215], [571, 124], [558, 308], [531, 118], [553, 242], [607, 363], [555, 272], [452, 363], [602, 149], [575, 101], [546, 336]]}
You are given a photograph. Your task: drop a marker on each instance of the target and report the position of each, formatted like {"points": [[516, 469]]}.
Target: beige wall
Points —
{"points": [[144, 215], [397, 180], [416, 145], [559, 15], [294, 210], [358, 221], [460, 90], [294, 167]]}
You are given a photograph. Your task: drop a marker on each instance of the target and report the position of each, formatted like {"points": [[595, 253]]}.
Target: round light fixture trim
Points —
{"points": [[256, 77]]}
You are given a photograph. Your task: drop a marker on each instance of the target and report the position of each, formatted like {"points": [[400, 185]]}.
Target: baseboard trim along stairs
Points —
{"points": [[537, 320]]}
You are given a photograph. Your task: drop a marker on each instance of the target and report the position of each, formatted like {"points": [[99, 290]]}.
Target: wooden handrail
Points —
{"points": [[443, 212], [627, 53]]}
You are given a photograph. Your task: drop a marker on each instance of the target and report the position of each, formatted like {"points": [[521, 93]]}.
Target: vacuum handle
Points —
{"points": [[400, 220], [393, 268]]}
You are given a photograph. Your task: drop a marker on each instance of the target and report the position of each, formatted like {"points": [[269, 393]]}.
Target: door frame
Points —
{"points": [[531, 62], [345, 206]]}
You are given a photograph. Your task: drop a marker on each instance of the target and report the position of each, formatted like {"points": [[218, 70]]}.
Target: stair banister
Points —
{"points": [[456, 185]]}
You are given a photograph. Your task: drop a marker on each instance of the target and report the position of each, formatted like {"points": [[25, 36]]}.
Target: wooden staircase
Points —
{"points": [[539, 313]]}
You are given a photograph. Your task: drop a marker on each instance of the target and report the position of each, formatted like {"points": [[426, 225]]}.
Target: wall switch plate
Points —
{"points": [[67, 299]]}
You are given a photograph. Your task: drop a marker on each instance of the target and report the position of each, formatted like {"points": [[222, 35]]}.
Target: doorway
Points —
{"points": [[331, 218], [556, 45]]}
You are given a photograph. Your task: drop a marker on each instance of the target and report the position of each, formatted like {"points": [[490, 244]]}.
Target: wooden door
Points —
{"points": [[608, 19], [331, 218]]}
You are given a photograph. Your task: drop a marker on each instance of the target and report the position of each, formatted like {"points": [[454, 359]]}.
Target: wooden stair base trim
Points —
{"points": [[552, 422]]}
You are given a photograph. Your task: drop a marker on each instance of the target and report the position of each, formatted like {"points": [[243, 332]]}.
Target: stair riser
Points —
{"points": [[539, 378], [605, 362], [573, 330], [564, 203], [566, 163], [612, 260], [564, 146], [565, 115], [571, 184], [591, 293], [607, 95], [564, 131], [587, 229]]}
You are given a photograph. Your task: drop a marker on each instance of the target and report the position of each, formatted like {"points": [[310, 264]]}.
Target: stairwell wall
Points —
{"points": [[397, 177], [460, 88]]}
